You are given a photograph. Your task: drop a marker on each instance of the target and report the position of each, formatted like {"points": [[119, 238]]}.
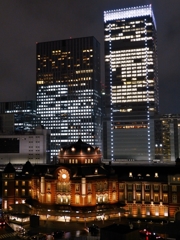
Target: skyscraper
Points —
{"points": [[131, 83], [68, 90], [167, 137], [22, 114]]}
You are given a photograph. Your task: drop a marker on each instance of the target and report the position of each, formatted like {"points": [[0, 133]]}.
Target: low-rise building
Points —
{"points": [[20, 148], [80, 187]]}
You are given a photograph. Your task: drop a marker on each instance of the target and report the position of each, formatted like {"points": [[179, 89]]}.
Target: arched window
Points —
{"points": [[48, 197], [77, 199], [63, 199], [114, 196], [58, 188], [89, 198]]}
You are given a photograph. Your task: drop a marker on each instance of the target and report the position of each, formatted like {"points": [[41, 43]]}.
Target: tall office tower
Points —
{"points": [[131, 83], [68, 91], [167, 137], [18, 117]]}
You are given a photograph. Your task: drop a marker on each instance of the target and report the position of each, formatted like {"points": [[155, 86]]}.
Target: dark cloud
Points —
{"points": [[23, 23]]}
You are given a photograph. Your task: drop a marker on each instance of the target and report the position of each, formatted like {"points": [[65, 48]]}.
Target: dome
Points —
{"points": [[27, 168], [78, 147], [80, 152], [9, 168]]}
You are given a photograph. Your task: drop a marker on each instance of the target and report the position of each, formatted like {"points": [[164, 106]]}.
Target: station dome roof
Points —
{"points": [[9, 168], [79, 147]]}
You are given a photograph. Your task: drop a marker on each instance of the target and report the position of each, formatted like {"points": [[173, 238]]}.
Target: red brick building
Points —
{"points": [[81, 187]]}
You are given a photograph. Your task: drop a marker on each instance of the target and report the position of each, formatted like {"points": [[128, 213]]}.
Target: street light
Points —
{"points": [[119, 216]]}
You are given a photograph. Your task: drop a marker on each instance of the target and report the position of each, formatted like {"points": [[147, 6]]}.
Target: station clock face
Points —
{"points": [[63, 175]]}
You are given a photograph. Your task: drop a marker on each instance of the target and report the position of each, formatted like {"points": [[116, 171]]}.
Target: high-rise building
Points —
{"points": [[131, 83], [167, 137], [18, 117], [69, 90]]}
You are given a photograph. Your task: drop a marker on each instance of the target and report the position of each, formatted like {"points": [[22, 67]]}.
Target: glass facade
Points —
{"points": [[25, 117], [69, 91], [131, 82], [167, 137]]}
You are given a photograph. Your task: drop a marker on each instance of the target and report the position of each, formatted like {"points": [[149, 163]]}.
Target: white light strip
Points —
{"points": [[129, 13]]}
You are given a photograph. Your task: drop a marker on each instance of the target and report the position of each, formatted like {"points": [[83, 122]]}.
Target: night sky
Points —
{"points": [[25, 22]]}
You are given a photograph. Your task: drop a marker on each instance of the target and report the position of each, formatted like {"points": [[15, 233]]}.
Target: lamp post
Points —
{"points": [[119, 216], [102, 218]]}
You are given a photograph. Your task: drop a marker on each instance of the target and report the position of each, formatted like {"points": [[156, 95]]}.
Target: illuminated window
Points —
{"points": [[29, 192], [105, 186], [130, 196], [48, 197], [48, 186], [174, 198], [138, 197], [89, 187], [5, 183], [147, 197], [147, 187], [77, 199], [23, 183], [99, 198], [59, 199], [5, 192], [129, 186], [16, 192], [105, 197], [165, 198], [156, 197], [174, 188], [138, 186], [16, 183], [121, 196], [121, 186], [156, 187], [165, 187], [58, 186], [114, 186], [114, 196], [89, 198], [23, 192], [77, 188]]}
